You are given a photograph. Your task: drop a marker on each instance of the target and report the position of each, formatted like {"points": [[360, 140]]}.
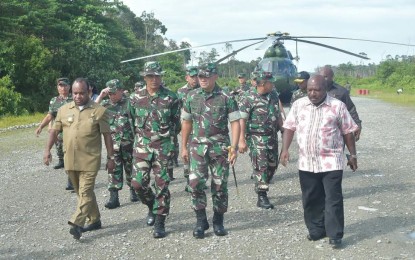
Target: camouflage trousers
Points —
{"points": [[156, 163], [202, 158], [59, 146], [123, 158], [175, 155], [263, 151], [176, 148]]}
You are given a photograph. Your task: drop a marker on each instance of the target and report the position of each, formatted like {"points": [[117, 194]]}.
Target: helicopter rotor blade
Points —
{"points": [[351, 39], [235, 52], [267, 42], [195, 47], [330, 47]]}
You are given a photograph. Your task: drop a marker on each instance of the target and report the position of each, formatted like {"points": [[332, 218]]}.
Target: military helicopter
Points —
{"points": [[277, 59]]}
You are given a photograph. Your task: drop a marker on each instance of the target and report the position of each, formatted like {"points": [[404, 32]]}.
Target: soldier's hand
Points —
{"points": [[242, 147], [104, 92], [232, 157], [110, 165], [47, 158], [185, 155]]}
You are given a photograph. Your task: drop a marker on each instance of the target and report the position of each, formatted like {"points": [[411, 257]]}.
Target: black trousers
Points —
{"points": [[323, 203]]}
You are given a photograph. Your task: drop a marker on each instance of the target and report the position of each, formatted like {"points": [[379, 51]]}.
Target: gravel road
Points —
{"points": [[379, 206]]}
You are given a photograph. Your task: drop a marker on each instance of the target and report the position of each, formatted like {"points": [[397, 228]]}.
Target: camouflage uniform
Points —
{"points": [[122, 139], [209, 113], [299, 93], [262, 114], [239, 91], [301, 80], [54, 105], [182, 94], [156, 121]]}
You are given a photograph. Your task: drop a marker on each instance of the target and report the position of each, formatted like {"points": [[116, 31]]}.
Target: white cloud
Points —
{"points": [[202, 22]]}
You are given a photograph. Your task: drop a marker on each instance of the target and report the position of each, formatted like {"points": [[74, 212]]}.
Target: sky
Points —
{"points": [[204, 22]]}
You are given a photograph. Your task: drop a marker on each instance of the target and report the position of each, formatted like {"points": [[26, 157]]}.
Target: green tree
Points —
{"points": [[9, 99]]}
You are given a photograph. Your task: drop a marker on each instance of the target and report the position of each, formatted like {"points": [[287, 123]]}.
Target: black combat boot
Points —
{"points": [[133, 195], [263, 201], [159, 229], [201, 225], [150, 215], [176, 162], [60, 164], [69, 185], [170, 172], [114, 202], [218, 224]]}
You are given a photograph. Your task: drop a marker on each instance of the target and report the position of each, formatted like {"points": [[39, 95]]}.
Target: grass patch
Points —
{"points": [[8, 121], [407, 99]]}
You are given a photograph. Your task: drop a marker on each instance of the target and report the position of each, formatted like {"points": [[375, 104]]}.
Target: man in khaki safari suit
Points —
{"points": [[82, 122]]}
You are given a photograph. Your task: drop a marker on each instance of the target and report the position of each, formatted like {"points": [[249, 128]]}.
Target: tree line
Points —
{"points": [[46, 39], [391, 73]]}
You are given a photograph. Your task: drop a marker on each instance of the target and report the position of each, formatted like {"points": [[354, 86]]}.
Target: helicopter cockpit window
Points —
{"points": [[285, 67]]}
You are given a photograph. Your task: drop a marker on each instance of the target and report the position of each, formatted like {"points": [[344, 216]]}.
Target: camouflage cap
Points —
{"points": [[63, 81], [207, 70], [254, 74], [303, 75], [114, 85], [152, 68], [241, 75], [191, 71], [138, 84], [265, 75]]}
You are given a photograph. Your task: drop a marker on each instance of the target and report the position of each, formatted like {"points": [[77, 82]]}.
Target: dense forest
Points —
{"points": [[41, 40]]}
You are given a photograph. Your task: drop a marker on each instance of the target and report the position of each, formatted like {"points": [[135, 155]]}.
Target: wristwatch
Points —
{"points": [[353, 156], [110, 157]]}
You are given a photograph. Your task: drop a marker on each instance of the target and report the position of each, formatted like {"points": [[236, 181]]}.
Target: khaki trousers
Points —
{"points": [[87, 208]]}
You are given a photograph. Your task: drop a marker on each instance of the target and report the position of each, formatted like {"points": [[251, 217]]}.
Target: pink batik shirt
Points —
{"points": [[320, 130]]}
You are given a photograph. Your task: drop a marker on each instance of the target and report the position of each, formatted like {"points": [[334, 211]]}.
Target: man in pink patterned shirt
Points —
{"points": [[323, 125]]}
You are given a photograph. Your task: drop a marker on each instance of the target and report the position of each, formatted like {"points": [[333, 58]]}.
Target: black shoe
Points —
{"points": [[114, 201], [218, 227], [263, 201], [201, 225], [60, 165], [93, 226], [335, 243], [159, 229], [170, 173], [133, 195], [75, 231], [315, 238], [69, 185], [150, 218]]}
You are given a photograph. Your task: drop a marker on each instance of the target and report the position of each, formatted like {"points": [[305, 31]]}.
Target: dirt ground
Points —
{"points": [[379, 206]]}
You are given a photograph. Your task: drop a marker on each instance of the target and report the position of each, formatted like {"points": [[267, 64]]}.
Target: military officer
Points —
{"points": [[122, 139], [156, 119], [243, 86], [301, 80], [260, 121], [192, 83], [205, 114]]}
